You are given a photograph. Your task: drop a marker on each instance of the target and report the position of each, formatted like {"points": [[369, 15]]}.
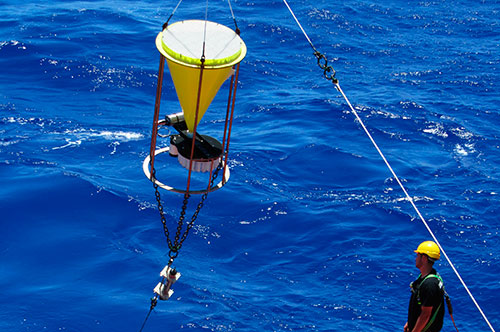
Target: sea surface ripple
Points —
{"points": [[312, 232]]}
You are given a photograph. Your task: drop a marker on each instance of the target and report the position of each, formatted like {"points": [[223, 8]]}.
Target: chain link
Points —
{"points": [[328, 71], [160, 209], [179, 239]]}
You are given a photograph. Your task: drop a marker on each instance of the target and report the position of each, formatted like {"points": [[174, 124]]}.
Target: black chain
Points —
{"points": [[328, 71], [160, 208], [179, 240]]}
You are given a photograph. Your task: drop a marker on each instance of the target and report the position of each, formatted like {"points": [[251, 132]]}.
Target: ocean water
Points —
{"points": [[311, 233]]}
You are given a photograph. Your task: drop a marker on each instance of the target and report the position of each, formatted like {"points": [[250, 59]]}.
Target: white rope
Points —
{"points": [[176, 7], [408, 197], [231, 9], [205, 31], [298, 23], [173, 12], [234, 18]]}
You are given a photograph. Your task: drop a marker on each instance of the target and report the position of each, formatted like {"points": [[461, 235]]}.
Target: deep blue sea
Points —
{"points": [[312, 232]]}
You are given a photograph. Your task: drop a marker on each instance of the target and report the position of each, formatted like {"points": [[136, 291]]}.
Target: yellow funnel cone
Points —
{"points": [[182, 45]]}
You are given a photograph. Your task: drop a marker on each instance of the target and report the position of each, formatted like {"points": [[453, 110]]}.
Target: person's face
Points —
{"points": [[419, 260]]}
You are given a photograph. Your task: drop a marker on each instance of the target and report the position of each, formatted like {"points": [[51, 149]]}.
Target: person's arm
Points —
{"points": [[422, 319]]}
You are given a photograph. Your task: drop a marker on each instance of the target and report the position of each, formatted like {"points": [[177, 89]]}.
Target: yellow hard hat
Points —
{"points": [[430, 249]]}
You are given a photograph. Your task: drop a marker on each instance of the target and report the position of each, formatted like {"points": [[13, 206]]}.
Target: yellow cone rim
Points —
{"points": [[182, 42]]}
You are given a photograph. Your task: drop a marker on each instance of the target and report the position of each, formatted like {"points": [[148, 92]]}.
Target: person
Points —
{"points": [[426, 307]]}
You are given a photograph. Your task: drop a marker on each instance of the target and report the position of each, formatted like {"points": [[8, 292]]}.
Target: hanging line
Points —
{"points": [[237, 30], [337, 86], [173, 12], [328, 71], [154, 301], [206, 19]]}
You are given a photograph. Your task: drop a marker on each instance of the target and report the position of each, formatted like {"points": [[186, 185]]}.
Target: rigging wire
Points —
{"points": [[154, 301], [204, 41], [300, 25], [173, 12], [206, 19], [408, 197], [234, 18]]}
